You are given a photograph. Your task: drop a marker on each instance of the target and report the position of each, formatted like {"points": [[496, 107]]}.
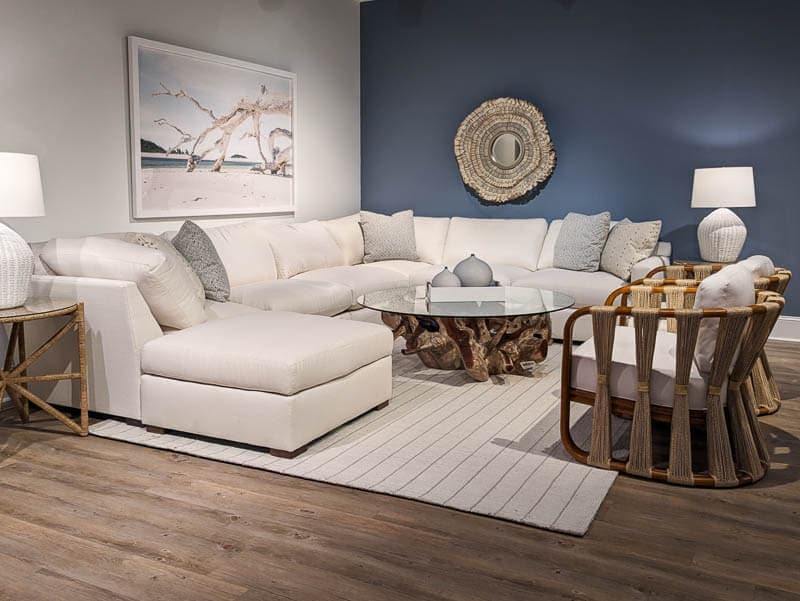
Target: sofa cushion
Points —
{"points": [[587, 288], [166, 288], [549, 245], [418, 273], [346, 231], [496, 241], [301, 247], [431, 235], [732, 286], [623, 377], [581, 240], [226, 310], [627, 244], [195, 245], [269, 351], [505, 275], [244, 251], [388, 237], [360, 279], [300, 296]]}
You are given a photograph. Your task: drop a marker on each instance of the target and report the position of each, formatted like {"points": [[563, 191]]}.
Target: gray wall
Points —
{"points": [[63, 95]]}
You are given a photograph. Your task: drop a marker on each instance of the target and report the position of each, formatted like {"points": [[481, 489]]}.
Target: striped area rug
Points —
{"points": [[490, 448]]}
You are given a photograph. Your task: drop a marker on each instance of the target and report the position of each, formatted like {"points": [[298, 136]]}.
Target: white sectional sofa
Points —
{"points": [[271, 368]]}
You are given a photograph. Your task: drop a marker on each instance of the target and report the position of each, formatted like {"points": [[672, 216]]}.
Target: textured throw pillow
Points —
{"points": [[731, 286], [580, 241], [174, 258], [388, 237], [198, 249], [627, 244]]}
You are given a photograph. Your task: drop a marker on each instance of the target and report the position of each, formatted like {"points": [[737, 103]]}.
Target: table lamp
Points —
{"points": [[20, 196], [722, 233]]}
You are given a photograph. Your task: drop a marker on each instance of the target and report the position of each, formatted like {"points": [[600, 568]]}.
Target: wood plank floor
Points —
{"points": [[93, 519]]}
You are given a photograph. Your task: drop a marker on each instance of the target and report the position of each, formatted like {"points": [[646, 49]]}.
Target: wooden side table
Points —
{"points": [[14, 378]]}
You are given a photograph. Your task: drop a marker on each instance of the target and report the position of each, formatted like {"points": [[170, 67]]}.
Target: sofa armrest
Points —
{"points": [[642, 268], [118, 324]]}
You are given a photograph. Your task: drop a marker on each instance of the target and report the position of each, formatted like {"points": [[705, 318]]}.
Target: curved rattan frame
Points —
{"points": [[489, 182], [737, 452]]}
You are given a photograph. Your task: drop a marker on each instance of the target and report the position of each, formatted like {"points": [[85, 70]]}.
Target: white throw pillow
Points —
{"points": [[347, 233], [759, 265], [301, 247], [627, 244], [732, 286], [164, 284]]}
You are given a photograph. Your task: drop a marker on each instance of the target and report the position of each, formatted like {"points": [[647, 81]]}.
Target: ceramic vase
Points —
{"points": [[473, 272], [446, 279]]}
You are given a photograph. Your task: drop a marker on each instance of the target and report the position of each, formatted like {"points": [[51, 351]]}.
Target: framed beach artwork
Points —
{"points": [[209, 135]]}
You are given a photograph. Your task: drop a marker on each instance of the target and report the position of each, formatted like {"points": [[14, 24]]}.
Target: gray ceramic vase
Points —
{"points": [[445, 279], [473, 272]]}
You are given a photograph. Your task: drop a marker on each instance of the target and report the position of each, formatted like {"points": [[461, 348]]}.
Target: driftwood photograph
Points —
{"points": [[210, 135]]}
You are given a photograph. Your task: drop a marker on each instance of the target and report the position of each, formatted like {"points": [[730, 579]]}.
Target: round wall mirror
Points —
{"points": [[506, 150]]}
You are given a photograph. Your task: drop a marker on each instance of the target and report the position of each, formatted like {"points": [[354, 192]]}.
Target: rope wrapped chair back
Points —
{"points": [[736, 452]]}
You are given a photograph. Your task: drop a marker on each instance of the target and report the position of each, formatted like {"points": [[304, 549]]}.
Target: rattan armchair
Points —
{"points": [[633, 386], [766, 394]]}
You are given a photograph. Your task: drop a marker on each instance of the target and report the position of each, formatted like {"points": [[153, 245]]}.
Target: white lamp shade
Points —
{"points": [[723, 187], [20, 186]]}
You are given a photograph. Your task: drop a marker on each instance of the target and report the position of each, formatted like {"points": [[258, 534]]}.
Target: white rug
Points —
{"points": [[491, 448]]}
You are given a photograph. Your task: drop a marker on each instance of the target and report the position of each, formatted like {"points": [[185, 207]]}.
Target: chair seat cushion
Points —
{"points": [[623, 378], [587, 288], [271, 351], [299, 296], [360, 279]]}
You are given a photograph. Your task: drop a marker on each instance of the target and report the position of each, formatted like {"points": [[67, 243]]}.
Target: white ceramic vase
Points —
{"points": [[721, 236], [16, 268]]}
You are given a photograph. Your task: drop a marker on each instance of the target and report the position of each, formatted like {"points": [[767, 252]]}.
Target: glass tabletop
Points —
{"points": [[519, 301], [37, 305]]}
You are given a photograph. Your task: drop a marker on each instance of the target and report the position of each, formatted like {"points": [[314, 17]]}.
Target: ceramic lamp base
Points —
{"points": [[16, 268], [721, 236]]}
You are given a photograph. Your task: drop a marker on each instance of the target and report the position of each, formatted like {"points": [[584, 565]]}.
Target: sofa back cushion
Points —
{"points": [[172, 296], [431, 235], [508, 241], [301, 247], [549, 246], [245, 252], [346, 231]]}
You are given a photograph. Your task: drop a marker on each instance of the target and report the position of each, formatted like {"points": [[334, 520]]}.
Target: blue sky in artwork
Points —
{"points": [[214, 85]]}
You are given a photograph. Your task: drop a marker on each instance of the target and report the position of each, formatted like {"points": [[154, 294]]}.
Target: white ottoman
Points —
{"points": [[271, 379]]}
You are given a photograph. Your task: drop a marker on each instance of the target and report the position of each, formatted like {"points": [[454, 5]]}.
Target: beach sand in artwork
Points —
{"points": [[199, 192]]}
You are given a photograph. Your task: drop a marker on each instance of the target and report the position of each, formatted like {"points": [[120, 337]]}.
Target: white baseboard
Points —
{"points": [[787, 329]]}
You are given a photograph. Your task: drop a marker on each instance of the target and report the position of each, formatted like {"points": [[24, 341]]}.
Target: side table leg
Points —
{"points": [[80, 325], [25, 412]]}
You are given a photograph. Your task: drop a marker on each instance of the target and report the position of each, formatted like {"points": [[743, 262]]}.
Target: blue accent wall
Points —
{"points": [[637, 93]]}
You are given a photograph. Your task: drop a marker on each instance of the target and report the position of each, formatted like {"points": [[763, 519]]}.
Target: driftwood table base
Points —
{"points": [[480, 346]]}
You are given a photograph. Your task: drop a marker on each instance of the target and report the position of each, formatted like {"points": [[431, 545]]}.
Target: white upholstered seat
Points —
{"points": [[300, 296]]}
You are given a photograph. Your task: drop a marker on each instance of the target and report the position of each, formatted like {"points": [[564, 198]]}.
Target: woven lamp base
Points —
{"points": [[721, 236], [16, 268]]}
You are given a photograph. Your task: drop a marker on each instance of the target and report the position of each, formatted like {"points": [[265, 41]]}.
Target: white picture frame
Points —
{"points": [[210, 135]]}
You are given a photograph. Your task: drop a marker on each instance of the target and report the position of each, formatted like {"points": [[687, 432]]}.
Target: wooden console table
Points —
{"points": [[14, 378]]}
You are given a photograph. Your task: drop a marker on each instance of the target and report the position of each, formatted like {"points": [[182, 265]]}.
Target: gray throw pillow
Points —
{"points": [[388, 237], [580, 242], [627, 244], [198, 249]]}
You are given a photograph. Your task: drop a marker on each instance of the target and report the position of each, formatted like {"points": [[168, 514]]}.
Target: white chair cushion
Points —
{"points": [[270, 351], [301, 247], [244, 251], [164, 284], [418, 273], [346, 231], [431, 235], [623, 377], [759, 265], [507, 274], [360, 279], [496, 241], [300, 296], [587, 288], [547, 255], [732, 286]]}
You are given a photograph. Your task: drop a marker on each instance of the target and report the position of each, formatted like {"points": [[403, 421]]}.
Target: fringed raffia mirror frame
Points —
{"points": [[483, 176]]}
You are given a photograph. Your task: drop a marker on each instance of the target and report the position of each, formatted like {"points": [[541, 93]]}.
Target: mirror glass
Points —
{"points": [[506, 150]]}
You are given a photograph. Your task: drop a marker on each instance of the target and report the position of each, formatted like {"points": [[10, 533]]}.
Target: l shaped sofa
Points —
{"points": [[292, 355]]}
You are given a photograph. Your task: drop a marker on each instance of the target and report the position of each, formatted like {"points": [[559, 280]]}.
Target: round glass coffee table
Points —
{"points": [[482, 338]]}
